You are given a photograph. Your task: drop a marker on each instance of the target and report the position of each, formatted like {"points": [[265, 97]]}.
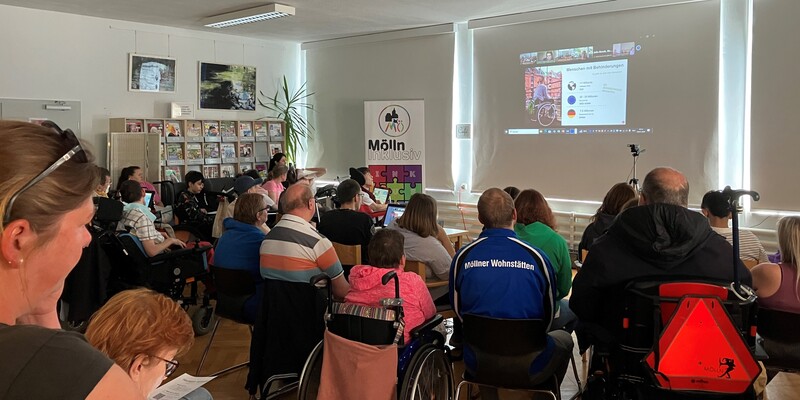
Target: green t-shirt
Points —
{"points": [[555, 248]]}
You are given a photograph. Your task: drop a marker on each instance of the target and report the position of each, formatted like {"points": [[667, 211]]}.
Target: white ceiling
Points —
{"points": [[315, 19]]}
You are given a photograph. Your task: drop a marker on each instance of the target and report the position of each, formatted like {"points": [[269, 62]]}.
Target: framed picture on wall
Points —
{"points": [[227, 87], [151, 74]]}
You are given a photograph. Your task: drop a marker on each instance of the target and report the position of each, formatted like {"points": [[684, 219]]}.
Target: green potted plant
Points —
{"points": [[288, 107]]}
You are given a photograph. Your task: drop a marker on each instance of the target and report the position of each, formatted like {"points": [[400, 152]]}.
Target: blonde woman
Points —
{"points": [[777, 285], [425, 240], [47, 180]]}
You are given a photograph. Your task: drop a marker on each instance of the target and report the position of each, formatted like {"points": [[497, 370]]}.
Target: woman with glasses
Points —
{"points": [[143, 331], [46, 184], [239, 247]]}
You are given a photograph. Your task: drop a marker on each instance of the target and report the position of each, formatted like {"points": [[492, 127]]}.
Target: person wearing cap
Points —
{"points": [[364, 178], [346, 225], [243, 184]]}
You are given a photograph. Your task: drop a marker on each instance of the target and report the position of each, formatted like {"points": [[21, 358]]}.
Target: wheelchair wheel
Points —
{"points": [[203, 320], [74, 326], [429, 376], [310, 376]]}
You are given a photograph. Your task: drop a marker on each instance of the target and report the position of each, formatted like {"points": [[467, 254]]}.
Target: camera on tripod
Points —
{"points": [[635, 149]]}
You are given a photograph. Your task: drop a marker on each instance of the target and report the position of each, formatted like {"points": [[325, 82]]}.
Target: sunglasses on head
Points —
{"points": [[75, 152]]}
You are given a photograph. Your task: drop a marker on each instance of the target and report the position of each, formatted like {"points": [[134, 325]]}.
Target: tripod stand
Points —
{"points": [[635, 152]]}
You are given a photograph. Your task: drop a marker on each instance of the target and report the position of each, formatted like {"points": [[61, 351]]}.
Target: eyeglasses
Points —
{"points": [[172, 365], [75, 152]]}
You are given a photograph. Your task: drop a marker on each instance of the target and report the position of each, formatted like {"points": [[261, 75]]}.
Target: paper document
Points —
{"points": [[179, 387]]}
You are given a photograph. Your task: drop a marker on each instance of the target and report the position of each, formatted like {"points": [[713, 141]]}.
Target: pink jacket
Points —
{"points": [[366, 289]]}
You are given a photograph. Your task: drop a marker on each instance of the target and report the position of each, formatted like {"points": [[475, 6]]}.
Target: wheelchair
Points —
{"points": [[679, 340], [168, 273], [423, 369]]}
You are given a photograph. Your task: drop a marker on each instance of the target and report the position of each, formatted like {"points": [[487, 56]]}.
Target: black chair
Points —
{"points": [[504, 350], [234, 289], [778, 336], [289, 325]]}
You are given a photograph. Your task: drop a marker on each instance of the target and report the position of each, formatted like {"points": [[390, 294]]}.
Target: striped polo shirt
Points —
{"points": [[294, 251]]}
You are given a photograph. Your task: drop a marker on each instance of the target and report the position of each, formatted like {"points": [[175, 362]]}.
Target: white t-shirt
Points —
{"points": [[749, 246]]}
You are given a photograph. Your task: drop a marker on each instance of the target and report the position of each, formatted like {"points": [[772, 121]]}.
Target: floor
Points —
{"points": [[231, 346]]}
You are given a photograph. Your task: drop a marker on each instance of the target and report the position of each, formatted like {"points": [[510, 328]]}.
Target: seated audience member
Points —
{"points": [[715, 208], [364, 178], [367, 289], [294, 251], [346, 225], [274, 183], [425, 240], [536, 225], [135, 173], [308, 176], [277, 159], [778, 285], [105, 182], [512, 191], [239, 247], [243, 185], [137, 215], [190, 209], [613, 203], [143, 331], [42, 233], [660, 238], [490, 288], [255, 175]]}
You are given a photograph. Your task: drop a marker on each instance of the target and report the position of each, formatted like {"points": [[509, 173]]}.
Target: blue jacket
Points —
{"points": [[499, 275], [239, 248]]}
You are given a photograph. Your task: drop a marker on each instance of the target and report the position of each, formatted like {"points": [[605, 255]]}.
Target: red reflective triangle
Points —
{"points": [[701, 350]]}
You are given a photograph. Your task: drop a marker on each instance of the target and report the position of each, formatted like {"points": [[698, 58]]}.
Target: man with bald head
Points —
{"points": [[661, 240], [501, 276], [294, 251]]}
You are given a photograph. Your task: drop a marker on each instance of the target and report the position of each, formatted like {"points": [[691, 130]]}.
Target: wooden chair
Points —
{"points": [[348, 255], [420, 268], [749, 263]]}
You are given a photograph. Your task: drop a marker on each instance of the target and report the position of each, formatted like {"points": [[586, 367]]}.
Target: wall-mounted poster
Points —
{"points": [[151, 74], [227, 87]]}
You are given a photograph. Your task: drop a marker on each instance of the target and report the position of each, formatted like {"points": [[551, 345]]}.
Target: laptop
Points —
{"points": [[393, 212], [381, 194], [149, 195]]}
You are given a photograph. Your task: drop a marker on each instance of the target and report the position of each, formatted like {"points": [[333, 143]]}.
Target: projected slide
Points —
{"points": [[577, 90], [595, 93]]}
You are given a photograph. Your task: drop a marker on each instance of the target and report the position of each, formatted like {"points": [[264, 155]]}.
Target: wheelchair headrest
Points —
{"points": [[108, 210]]}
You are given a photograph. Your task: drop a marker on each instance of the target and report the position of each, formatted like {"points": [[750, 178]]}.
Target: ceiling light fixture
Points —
{"points": [[269, 11]]}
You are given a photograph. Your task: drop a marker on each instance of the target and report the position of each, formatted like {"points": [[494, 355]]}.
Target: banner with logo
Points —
{"points": [[395, 143]]}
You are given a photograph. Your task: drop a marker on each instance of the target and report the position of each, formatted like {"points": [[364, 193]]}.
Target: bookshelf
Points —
{"points": [[215, 147]]}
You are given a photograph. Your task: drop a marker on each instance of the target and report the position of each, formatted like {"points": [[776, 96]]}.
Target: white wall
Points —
{"points": [[50, 55]]}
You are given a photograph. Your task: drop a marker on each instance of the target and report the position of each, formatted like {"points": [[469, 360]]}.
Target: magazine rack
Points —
{"points": [[168, 148]]}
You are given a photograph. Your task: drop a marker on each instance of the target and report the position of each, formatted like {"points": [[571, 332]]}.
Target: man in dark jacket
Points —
{"points": [[660, 240]]}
